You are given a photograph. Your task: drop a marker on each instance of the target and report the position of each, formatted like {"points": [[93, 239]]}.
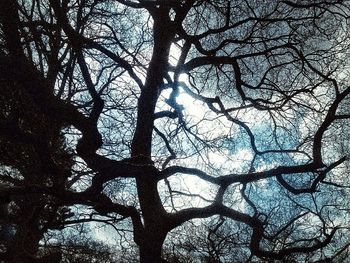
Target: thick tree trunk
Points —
{"points": [[156, 225], [25, 243], [157, 70], [151, 250]]}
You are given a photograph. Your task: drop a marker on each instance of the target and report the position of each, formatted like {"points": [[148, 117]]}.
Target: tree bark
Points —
{"points": [[150, 239], [158, 68], [156, 225], [151, 249], [25, 244]]}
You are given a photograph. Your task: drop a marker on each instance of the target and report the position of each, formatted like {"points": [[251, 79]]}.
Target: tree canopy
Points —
{"points": [[192, 130]]}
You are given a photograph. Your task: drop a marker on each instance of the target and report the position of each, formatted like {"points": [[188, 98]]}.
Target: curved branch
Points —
{"points": [[79, 41], [239, 178]]}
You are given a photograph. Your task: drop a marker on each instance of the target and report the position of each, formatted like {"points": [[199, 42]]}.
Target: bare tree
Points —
{"points": [[156, 113]]}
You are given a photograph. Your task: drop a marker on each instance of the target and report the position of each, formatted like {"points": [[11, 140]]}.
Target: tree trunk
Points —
{"points": [[25, 244], [156, 227], [151, 249]]}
